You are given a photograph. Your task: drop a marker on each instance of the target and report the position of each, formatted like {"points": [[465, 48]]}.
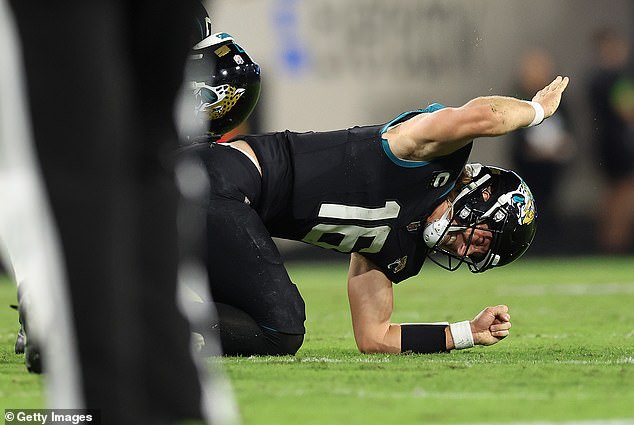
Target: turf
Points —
{"points": [[18, 388], [570, 357]]}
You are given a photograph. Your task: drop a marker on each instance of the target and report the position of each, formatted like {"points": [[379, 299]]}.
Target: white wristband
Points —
{"points": [[539, 113], [461, 334]]}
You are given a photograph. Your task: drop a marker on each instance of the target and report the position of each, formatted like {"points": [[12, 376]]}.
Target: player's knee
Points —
{"points": [[292, 343], [282, 344]]}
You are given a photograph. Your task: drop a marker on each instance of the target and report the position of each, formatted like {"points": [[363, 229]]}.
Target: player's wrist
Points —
{"points": [[539, 113], [462, 335]]}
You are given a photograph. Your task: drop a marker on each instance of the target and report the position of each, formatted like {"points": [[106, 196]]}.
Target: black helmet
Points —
{"points": [[495, 201], [224, 83], [202, 24]]}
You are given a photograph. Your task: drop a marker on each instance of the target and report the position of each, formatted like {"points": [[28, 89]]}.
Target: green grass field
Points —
{"points": [[569, 359]]}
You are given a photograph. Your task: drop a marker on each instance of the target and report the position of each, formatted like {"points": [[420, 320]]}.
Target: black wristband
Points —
{"points": [[423, 338]]}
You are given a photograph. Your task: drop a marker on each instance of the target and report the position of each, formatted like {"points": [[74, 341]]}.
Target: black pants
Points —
{"points": [[260, 310], [102, 78]]}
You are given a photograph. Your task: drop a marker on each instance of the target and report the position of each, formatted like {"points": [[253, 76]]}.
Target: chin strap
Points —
{"points": [[435, 230]]}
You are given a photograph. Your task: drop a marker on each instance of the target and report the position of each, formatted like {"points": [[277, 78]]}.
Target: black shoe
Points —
{"points": [[24, 344], [20, 341], [32, 358]]}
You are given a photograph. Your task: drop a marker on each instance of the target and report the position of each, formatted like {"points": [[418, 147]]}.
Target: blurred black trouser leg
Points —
{"points": [[102, 77]]}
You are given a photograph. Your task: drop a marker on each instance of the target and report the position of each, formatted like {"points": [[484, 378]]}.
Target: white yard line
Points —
{"points": [[448, 360], [273, 360]]}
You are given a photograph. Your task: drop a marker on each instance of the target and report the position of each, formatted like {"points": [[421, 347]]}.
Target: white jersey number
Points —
{"points": [[352, 232]]}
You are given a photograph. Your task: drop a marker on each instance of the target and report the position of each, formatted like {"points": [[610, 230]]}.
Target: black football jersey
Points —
{"points": [[345, 190]]}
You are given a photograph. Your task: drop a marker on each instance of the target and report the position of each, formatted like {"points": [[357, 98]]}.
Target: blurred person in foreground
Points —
{"points": [[611, 91], [101, 82], [541, 153], [389, 195]]}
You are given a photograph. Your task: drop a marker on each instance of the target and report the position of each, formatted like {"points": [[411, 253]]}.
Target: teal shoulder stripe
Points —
{"points": [[404, 117], [398, 161]]}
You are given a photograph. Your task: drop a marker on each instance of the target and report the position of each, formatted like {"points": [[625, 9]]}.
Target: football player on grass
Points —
{"points": [[389, 195]]}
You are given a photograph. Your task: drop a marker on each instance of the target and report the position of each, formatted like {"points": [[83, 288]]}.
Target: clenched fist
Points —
{"points": [[491, 325]]}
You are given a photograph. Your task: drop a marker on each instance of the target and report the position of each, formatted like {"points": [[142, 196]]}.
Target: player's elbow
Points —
{"points": [[373, 345], [367, 346]]}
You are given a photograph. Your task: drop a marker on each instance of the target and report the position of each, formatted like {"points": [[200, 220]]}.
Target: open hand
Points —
{"points": [[550, 96]]}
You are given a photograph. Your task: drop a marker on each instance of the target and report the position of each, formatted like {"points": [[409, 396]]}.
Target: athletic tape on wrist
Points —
{"points": [[539, 113], [461, 334]]}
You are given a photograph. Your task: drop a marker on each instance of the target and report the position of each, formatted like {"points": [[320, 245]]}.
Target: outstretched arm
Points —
{"points": [[371, 301], [427, 136]]}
